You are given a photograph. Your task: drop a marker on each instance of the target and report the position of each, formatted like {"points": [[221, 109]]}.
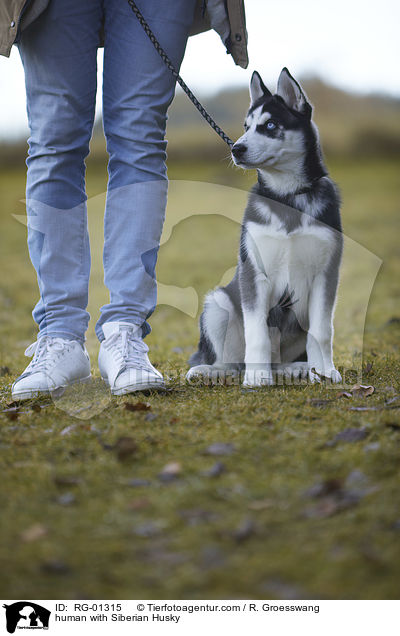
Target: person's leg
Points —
{"points": [[59, 53], [137, 90]]}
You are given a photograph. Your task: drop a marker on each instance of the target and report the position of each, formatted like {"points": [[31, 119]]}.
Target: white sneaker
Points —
{"points": [[123, 360], [56, 364]]}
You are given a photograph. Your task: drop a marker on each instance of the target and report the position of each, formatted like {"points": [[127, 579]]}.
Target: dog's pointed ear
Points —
{"points": [[292, 93], [257, 88]]}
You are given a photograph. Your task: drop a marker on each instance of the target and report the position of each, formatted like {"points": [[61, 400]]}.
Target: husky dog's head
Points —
{"points": [[279, 134]]}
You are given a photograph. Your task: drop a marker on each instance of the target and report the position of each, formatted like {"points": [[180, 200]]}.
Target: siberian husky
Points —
{"points": [[276, 314]]}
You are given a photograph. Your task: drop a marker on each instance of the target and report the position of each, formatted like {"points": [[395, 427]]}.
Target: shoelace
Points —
{"points": [[41, 348], [127, 348]]}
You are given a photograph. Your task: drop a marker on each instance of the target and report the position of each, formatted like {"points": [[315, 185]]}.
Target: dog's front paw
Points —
{"points": [[200, 371], [258, 377], [317, 375], [335, 376]]}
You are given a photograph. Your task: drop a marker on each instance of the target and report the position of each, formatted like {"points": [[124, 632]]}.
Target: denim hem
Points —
{"points": [[140, 322], [66, 335]]}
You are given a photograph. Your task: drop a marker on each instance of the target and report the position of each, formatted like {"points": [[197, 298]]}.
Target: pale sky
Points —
{"points": [[353, 44]]}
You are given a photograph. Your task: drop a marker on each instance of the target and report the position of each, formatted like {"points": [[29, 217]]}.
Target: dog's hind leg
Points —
{"points": [[221, 346]]}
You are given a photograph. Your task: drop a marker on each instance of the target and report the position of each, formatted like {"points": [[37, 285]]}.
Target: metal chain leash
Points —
{"points": [[175, 73]]}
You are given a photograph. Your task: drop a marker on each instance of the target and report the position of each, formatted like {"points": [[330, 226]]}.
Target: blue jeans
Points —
{"points": [[59, 55]]}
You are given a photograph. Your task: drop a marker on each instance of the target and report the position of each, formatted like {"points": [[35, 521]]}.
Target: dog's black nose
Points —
{"points": [[238, 150]]}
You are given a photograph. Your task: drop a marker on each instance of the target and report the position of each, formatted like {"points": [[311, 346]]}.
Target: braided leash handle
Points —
{"points": [[175, 73]]}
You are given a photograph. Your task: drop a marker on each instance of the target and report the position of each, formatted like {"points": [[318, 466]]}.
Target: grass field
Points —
{"points": [[284, 492]]}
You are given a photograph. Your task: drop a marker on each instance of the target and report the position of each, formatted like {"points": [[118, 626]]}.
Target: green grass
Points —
{"points": [[72, 523]]}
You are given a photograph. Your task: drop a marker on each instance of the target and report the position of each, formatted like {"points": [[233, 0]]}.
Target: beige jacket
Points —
{"points": [[227, 17]]}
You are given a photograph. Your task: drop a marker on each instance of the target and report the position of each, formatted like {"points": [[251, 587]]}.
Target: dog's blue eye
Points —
{"points": [[271, 125]]}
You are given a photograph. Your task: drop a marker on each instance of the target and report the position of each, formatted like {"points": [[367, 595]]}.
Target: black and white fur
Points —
{"points": [[277, 312]]}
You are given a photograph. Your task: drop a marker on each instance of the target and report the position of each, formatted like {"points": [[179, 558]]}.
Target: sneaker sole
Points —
{"points": [[133, 388], [57, 392]]}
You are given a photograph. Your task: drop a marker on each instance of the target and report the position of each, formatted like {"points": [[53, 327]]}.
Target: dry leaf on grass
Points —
{"points": [[170, 471], [138, 482], [138, 504], [220, 448], [394, 320], [244, 531], [357, 478], [215, 471], [326, 487], [138, 406], [14, 404], [68, 429], [332, 498], [33, 533], [395, 398], [12, 410], [358, 390], [349, 435], [365, 408], [362, 390], [67, 499], [212, 557], [389, 405], [54, 566], [329, 506], [261, 504], [125, 447], [13, 415]]}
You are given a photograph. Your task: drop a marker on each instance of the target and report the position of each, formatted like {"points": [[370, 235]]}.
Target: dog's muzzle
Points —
{"points": [[238, 151]]}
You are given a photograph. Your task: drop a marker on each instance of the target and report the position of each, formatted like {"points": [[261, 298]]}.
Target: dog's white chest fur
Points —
{"points": [[289, 259]]}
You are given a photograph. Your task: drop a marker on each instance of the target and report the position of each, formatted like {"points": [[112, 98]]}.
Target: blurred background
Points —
{"points": [[346, 53], [85, 528]]}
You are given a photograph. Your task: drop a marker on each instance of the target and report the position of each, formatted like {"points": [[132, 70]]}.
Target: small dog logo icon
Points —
{"points": [[26, 615]]}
